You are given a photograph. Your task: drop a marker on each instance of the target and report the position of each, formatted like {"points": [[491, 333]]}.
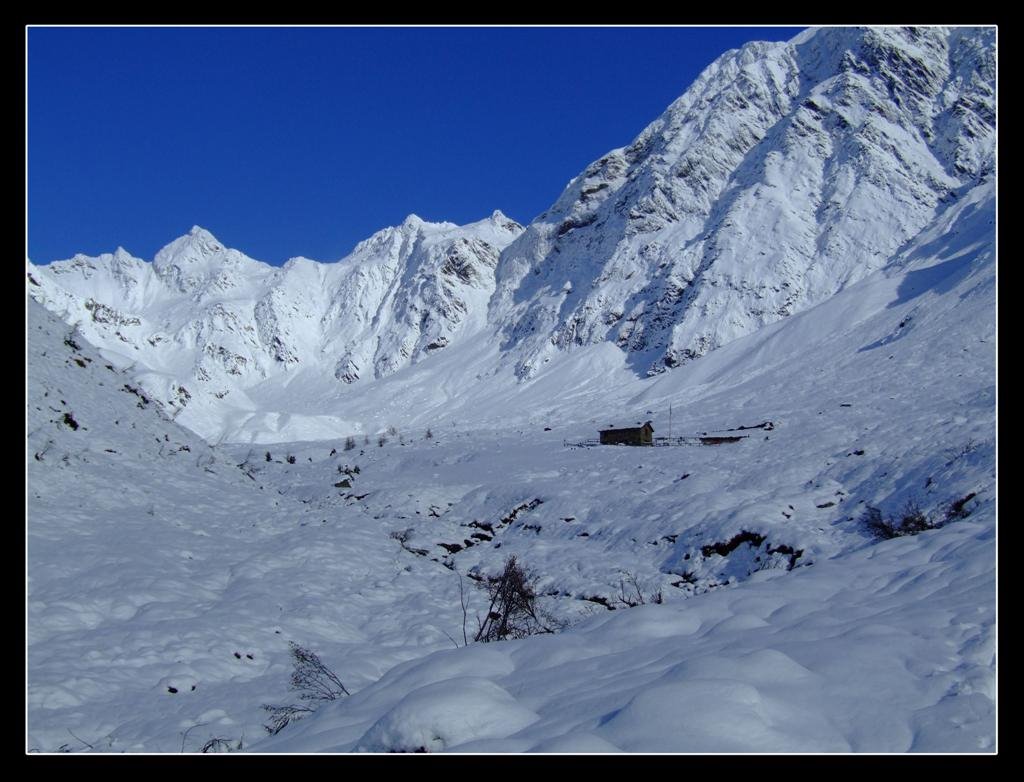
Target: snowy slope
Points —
{"points": [[164, 582], [889, 650], [143, 579]]}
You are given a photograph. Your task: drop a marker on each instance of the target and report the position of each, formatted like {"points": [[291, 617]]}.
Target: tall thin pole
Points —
{"points": [[670, 423]]}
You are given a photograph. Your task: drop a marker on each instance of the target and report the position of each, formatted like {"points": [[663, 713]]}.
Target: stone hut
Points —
{"points": [[638, 435]]}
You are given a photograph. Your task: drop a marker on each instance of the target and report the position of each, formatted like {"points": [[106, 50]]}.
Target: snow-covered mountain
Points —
{"points": [[785, 173], [203, 321]]}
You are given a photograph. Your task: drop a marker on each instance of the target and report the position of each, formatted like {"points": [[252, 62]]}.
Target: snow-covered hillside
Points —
{"points": [[146, 578], [386, 431], [165, 579]]}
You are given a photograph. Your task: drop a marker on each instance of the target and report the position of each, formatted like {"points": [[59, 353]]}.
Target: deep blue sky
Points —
{"points": [[298, 141]]}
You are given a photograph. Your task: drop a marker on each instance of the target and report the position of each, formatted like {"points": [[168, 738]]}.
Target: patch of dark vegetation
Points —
{"points": [[686, 577], [511, 516], [724, 549], [601, 601], [69, 421], [828, 504], [911, 520], [403, 537], [956, 509]]}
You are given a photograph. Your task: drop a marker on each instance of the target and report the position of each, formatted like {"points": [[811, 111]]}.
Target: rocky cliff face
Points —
{"points": [[786, 172]]}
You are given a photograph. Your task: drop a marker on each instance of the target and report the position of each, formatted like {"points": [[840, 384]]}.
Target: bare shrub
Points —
{"points": [[910, 520], [513, 611], [314, 682], [631, 594]]}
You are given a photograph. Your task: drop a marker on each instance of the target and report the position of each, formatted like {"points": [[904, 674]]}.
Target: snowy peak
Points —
{"points": [[198, 244], [197, 260]]}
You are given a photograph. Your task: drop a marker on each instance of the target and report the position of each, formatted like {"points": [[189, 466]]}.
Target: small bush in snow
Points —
{"points": [[957, 509], [290, 459], [513, 611], [219, 744], [314, 682], [280, 716], [350, 443], [632, 595], [911, 520]]}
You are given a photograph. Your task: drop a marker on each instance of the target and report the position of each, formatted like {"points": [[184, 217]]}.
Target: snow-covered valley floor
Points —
{"points": [[166, 577]]}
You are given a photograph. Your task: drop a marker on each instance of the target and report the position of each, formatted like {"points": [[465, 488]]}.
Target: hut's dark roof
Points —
{"points": [[633, 428]]}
